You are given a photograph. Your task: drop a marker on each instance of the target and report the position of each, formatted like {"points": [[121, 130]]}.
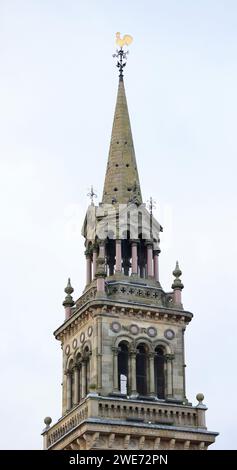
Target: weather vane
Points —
{"points": [[92, 195], [121, 55]]}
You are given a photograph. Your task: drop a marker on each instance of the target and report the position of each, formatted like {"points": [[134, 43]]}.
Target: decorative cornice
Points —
{"points": [[115, 309]]}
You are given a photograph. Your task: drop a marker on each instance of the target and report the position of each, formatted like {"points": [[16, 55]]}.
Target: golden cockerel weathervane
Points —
{"points": [[121, 55]]}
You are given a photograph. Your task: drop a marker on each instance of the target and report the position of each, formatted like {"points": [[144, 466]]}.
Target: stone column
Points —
{"points": [[169, 375], [76, 386], [151, 357], [156, 265], [184, 365], [99, 354], [83, 379], [116, 385], [133, 378], [177, 297], [94, 258], [100, 283], [134, 257], [88, 267], [69, 390], [118, 256], [102, 249], [100, 272], [149, 259]]}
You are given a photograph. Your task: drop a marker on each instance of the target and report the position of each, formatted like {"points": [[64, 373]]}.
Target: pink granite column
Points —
{"points": [[67, 312], [94, 258], [88, 268], [177, 296], [134, 257], [149, 259], [156, 265], [118, 266]]}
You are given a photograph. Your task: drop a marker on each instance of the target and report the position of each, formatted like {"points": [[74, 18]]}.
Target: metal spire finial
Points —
{"points": [[151, 205], [120, 54], [92, 195]]}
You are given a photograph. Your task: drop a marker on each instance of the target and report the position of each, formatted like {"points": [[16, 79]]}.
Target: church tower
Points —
{"points": [[123, 339]]}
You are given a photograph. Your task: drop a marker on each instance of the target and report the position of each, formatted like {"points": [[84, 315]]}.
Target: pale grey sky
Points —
{"points": [[58, 85]]}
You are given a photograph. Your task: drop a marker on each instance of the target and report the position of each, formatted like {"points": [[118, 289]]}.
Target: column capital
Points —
{"points": [[87, 253], [68, 372], [133, 352], [101, 242], [149, 243], [134, 241], [169, 357], [156, 252], [151, 354], [115, 350]]}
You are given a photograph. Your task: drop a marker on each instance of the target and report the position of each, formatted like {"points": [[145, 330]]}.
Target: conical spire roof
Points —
{"points": [[121, 180]]}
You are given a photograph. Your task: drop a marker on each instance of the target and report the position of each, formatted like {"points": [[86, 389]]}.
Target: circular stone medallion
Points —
{"points": [[82, 337], [151, 331], [89, 331], [115, 327], [67, 350], [74, 343], [134, 329], [169, 334]]}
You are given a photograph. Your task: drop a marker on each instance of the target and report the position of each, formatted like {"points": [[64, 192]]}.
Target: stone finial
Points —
{"points": [[177, 283], [68, 302], [47, 421], [200, 398]]}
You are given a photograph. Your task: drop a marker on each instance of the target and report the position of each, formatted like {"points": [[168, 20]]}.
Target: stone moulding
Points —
{"points": [[107, 307]]}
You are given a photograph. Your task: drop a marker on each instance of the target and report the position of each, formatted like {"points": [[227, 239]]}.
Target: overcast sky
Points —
{"points": [[58, 85]]}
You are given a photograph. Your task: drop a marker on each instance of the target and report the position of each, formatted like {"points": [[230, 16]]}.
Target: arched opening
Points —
{"points": [[141, 369], [159, 365], [123, 368]]}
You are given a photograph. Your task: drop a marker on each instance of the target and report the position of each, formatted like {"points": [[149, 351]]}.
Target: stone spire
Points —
{"points": [[121, 180]]}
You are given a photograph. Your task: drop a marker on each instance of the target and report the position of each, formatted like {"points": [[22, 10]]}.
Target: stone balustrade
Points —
{"points": [[149, 413], [156, 413]]}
